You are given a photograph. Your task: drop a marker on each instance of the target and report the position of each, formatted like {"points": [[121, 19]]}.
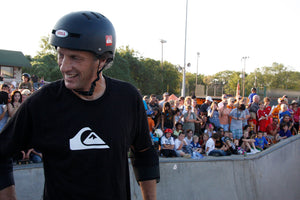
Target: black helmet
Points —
{"points": [[86, 31], [26, 75]]}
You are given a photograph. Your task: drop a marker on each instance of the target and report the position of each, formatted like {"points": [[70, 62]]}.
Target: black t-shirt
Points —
{"points": [[84, 143]]}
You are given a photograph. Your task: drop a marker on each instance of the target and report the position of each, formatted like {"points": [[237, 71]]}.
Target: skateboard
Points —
{"points": [[23, 162]]}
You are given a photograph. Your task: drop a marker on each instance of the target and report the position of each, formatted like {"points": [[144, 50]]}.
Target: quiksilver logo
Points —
{"points": [[91, 141]]}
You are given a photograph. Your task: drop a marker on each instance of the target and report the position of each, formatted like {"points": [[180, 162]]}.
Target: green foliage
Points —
{"points": [[151, 78]]}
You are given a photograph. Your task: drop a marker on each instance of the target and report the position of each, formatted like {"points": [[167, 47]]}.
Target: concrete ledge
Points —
{"points": [[271, 174]]}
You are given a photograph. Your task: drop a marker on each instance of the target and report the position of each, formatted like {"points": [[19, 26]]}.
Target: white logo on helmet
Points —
{"points": [[61, 33]]}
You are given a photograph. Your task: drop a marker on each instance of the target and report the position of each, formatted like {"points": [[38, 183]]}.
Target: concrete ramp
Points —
{"points": [[272, 174]]}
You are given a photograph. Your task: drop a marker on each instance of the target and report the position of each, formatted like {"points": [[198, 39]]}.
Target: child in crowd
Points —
{"points": [[262, 118], [210, 148], [178, 116], [252, 122], [151, 123], [284, 111], [167, 144], [247, 144], [178, 129], [195, 145], [204, 141], [284, 132], [189, 136], [230, 145], [210, 129], [261, 142], [181, 146]]}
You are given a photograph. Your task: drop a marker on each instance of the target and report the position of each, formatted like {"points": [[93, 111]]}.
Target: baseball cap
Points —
{"points": [[208, 98]]}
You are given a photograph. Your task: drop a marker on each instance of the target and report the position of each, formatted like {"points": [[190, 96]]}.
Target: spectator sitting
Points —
{"points": [[247, 144], [272, 130], [228, 140], [189, 136], [284, 132], [261, 142], [210, 148], [287, 120], [178, 129], [195, 145], [204, 141], [181, 146], [167, 144], [210, 129]]}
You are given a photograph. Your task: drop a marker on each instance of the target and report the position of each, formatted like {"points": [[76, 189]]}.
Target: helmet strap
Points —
{"points": [[93, 85]]}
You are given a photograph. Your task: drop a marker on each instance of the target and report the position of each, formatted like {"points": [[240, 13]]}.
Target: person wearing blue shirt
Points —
{"points": [[261, 142], [253, 92]]}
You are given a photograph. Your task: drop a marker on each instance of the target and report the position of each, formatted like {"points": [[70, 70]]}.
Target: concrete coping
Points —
{"points": [[205, 159]]}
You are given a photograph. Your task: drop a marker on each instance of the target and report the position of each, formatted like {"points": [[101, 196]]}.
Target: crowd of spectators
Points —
{"points": [[182, 128], [11, 98]]}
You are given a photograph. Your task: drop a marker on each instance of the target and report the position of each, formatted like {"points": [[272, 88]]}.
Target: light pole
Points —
{"points": [[198, 55], [162, 52], [183, 72], [243, 72], [162, 63]]}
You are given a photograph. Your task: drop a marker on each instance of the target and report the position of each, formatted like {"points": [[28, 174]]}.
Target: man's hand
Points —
{"points": [[8, 193]]}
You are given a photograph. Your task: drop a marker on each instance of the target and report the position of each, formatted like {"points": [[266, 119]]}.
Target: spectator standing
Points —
{"points": [[25, 84], [205, 106], [224, 101], [262, 117], [3, 109], [16, 100], [213, 115], [189, 119], [167, 117], [251, 95], [153, 102], [296, 116], [236, 125], [35, 81], [164, 100], [276, 110], [224, 112], [255, 104]]}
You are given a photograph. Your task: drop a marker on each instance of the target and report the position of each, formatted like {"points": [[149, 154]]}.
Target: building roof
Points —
{"points": [[13, 59]]}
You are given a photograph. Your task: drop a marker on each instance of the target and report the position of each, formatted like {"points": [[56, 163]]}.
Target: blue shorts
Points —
{"points": [[225, 127], [237, 133]]}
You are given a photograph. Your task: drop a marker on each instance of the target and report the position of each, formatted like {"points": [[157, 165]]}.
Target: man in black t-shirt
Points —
{"points": [[78, 124]]}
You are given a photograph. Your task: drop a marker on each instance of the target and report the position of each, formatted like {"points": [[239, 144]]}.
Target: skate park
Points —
{"points": [[271, 174]]}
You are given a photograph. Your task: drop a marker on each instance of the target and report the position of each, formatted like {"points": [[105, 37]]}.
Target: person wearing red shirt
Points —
{"points": [[272, 130]]}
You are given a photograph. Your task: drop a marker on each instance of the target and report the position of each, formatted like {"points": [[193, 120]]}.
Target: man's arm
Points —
{"points": [[148, 189], [8, 193]]}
